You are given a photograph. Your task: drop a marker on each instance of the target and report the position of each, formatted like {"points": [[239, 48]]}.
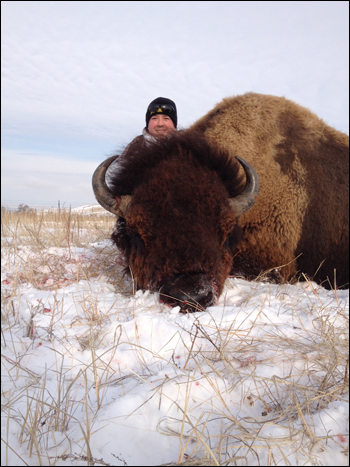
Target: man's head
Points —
{"points": [[161, 117]]}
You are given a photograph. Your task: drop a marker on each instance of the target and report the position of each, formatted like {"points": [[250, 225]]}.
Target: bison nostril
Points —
{"points": [[190, 292]]}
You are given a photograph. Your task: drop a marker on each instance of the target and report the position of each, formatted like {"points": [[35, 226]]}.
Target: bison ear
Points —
{"points": [[120, 237]]}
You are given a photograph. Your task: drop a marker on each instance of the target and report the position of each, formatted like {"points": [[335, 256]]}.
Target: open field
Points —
{"points": [[97, 373]]}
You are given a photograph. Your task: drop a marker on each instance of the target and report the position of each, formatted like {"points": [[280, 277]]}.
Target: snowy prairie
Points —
{"points": [[97, 373]]}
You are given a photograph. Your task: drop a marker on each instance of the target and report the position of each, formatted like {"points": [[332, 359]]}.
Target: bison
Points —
{"points": [[190, 212]]}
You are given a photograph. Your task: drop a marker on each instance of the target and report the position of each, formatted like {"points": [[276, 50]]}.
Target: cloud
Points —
{"points": [[27, 161], [77, 76], [43, 179], [46, 190]]}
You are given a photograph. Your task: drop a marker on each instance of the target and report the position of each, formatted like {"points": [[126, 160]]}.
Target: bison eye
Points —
{"points": [[138, 243]]}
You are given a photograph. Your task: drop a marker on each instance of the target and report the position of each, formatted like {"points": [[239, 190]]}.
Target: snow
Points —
{"points": [[90, 368], [91, 209]]}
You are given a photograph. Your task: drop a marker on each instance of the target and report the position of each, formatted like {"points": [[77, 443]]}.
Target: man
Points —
{"points": [[161, 121], [161, 118]]}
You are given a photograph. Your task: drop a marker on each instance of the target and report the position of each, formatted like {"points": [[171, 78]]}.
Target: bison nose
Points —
{"points": [[192, 292]]}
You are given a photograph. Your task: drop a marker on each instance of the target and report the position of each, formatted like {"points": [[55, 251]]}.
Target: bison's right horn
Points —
{"points": [[116, 205], [247, 198]]}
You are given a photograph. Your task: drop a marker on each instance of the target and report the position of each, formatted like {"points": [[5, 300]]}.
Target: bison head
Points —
{"points": [[177, 203]]}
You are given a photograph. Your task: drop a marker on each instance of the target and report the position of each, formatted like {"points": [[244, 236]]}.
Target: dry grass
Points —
{"points": [[54, 228], [34, 237], [43, 249]]}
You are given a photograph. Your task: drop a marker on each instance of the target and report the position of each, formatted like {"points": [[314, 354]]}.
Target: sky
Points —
{"points": [[77, 77]]}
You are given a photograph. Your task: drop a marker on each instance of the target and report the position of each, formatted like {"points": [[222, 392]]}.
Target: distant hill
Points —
{"points": [[91, 209]]}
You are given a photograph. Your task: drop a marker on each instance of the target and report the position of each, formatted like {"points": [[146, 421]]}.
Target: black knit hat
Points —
{"points": [[164, 106]]}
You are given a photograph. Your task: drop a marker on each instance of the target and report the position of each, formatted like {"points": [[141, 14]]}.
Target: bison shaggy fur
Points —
{"points": [[180, 230]]}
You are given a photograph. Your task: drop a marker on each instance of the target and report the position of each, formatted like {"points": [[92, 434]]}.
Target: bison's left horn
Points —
{"points": [[116, 205], [247, 198]]}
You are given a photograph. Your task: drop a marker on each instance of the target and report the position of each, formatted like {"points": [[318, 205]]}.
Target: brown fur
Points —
{"points": [[180, 217], [179, 221], [303, 166]]}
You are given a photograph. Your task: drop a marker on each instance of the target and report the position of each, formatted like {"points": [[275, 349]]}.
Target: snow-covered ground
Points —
{"points": [[95, 374]]}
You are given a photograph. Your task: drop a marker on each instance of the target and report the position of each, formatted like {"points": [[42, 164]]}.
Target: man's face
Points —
{"points": [[160, 125]]}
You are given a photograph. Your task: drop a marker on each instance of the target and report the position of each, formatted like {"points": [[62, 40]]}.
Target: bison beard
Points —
{"points": [[184, 221]]}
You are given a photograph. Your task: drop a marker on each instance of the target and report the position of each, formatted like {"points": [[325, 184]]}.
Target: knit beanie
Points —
{"points": [[164, 106]]}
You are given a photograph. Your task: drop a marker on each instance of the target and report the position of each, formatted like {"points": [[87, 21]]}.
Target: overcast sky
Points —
{"points": [[77, 76]]}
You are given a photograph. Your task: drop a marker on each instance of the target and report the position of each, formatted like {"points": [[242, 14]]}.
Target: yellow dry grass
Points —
{"points": [[30, 237]]}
